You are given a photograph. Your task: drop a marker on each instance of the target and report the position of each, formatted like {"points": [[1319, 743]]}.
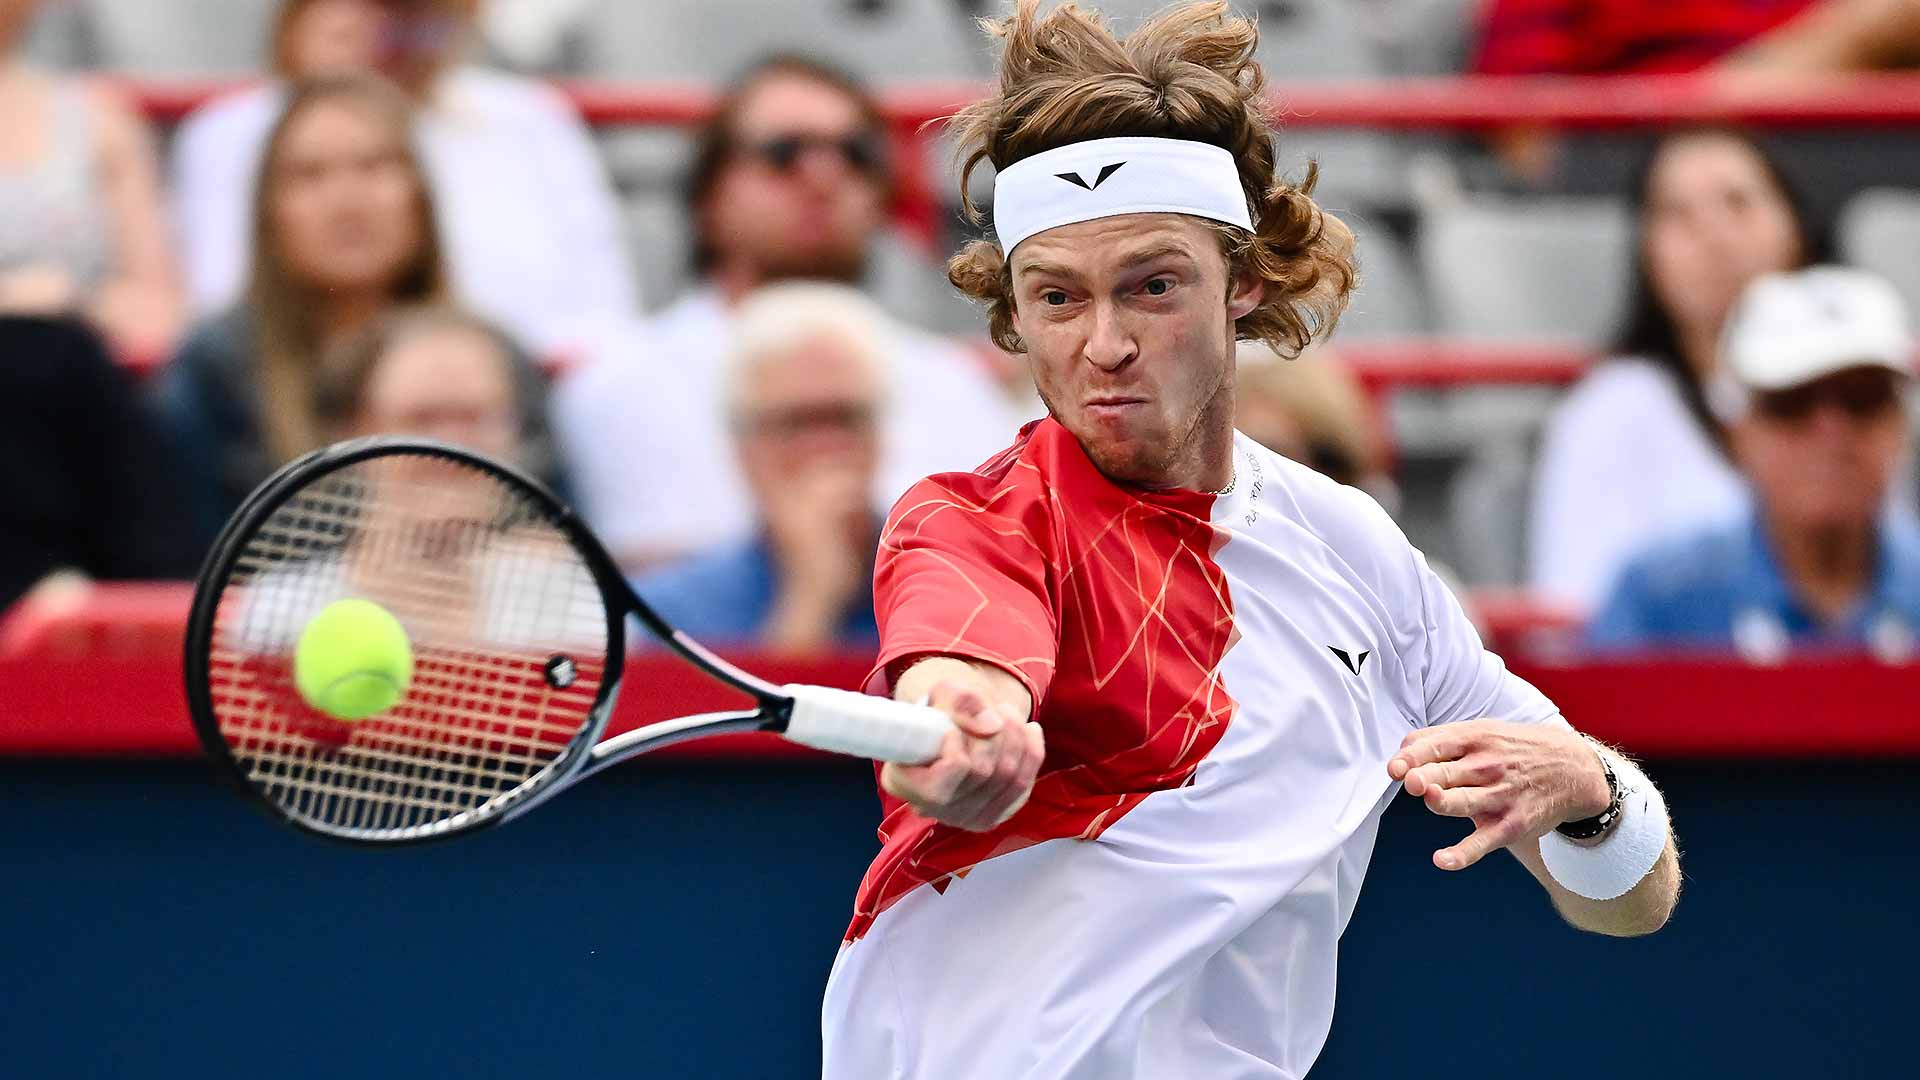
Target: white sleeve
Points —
{"points": [[1459, 678]]}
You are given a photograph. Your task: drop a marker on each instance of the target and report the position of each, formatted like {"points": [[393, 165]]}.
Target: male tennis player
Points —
{"points": [[1186, 673]]}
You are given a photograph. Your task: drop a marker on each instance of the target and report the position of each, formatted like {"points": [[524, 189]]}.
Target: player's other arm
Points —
{"points": [[987, 765], [1517, 783]]}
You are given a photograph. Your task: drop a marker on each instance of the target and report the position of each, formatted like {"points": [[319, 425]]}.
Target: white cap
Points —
{"points": [[1790, 329]]}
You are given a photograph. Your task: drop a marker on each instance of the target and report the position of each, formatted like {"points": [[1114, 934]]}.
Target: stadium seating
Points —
{"points": [[1880, 231], [884, 41], [1550, 270], [155, 37]]}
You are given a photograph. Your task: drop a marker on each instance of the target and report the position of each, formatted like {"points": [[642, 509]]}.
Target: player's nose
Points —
{"points": [[1110, 345]]}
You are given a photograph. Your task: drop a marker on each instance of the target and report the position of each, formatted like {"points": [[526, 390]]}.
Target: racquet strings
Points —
{"points": [[509, 635]]}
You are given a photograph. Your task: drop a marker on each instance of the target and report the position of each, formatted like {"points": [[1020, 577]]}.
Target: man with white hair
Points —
{"points": [[1813, 368], [806, 401]]}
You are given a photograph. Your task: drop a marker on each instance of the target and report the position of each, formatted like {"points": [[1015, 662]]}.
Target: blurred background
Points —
{"points": [[1631, 357]]}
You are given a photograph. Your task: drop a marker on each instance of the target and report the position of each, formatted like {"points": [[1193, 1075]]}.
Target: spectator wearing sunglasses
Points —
{"points": [[789, 182], [1815, 365], [528, 216], [806, 394]]}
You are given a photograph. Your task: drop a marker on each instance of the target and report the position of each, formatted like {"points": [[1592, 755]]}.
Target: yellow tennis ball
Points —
{"points": [[353, 660]]}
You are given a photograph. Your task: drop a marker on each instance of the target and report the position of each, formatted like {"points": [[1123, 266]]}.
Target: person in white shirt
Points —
{"points": [[529, 220], [790, 181], [1633, 455], [1187, 674]]}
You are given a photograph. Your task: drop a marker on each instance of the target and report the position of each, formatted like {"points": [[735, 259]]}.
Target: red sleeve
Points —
{"points": [[962, 571], [1529, 37]]}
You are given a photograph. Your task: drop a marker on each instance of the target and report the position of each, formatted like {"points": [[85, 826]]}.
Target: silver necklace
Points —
{"points": [[1232, 479]]}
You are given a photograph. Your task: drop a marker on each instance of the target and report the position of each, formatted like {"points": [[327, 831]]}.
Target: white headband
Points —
{"points": [[1108, 177]]}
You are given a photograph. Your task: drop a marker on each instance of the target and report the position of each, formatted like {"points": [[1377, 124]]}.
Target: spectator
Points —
{"points": [[1746, 42], [1634, 451], [436, 373], [1816, 363], [1313, 410], [91, 486], [789, 181], [343, 230], [1610, 37], [531, 225], [81, 217], [805, 399]]}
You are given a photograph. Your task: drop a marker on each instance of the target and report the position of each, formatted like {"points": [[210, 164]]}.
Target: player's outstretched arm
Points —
{"points": [[988, 763], [1517, 782]]}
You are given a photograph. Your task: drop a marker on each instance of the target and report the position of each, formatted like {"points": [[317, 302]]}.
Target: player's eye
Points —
{"points": [[1053, 297], [1158, 286]]}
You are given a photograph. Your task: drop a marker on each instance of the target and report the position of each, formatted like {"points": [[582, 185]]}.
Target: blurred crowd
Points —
{"points": [[399, 226]]}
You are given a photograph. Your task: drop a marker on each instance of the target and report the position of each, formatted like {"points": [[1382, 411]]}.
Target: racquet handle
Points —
{"points": [[846, 722]]}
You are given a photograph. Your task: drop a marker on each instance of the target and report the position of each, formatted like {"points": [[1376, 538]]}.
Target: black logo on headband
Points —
{"points": [[1105, 171]]}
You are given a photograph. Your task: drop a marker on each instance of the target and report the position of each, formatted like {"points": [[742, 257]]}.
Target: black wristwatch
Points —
{"points": [[1588, 828]]}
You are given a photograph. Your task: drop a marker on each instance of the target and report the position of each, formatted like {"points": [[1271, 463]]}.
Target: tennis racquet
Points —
{"points": [[517, 619]]}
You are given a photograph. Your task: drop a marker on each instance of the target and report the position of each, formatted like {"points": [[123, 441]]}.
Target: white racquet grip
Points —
{"points": [[1616, 864], [846, 722]]}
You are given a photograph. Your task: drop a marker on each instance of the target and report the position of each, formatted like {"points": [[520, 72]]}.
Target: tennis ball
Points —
{"points": [[353, 660]]}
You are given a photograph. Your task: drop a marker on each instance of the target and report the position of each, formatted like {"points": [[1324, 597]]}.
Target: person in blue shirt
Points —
{"points": [[807, 386], [1814, 368]]}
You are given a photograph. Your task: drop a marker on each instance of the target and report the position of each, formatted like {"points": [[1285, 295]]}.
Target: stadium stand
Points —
{"points": [[1880, 231], [156, 38], [1526, 270]]}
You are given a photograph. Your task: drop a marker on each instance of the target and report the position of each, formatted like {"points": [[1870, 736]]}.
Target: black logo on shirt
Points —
{"points": [[1354, 661], [1105, 171]]}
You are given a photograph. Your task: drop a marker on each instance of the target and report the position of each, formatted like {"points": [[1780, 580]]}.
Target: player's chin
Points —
{"points": [[1129, 455]]}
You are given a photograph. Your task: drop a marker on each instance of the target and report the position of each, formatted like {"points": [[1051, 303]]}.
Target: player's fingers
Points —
{"points": [[969, 708], [1011, 789], [1468, 802], [1428, 745], [1011, 752], [1476, 771], [932, 782], [1492, 835]]}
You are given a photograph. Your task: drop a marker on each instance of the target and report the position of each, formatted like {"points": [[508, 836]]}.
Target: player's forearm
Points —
{"points": [[1642, 910]]}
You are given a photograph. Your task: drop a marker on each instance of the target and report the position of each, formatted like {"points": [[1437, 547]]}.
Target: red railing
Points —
{"points": [[97, 671], [1458, 103]]}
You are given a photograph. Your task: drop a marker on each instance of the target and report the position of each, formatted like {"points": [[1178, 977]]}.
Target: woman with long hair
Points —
{"points": [[1635, 454], [343, 230]]}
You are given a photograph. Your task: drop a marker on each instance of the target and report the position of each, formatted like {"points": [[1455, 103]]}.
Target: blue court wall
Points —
{"points": [[678, 921]]}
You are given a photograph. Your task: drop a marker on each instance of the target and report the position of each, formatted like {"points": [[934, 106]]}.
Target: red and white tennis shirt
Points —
{"points": [[1221, 681]]}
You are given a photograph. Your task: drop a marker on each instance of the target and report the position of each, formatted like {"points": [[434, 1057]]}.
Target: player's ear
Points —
{"points": [[1246, 293]]}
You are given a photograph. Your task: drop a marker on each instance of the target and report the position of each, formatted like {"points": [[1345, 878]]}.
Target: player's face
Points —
{"points": [[1128, 323], [1822, 455], [800, 196], [345, 203]]}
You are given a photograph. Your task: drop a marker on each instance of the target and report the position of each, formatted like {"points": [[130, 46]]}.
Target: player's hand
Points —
{"points": [[986, 766], [1514, 781]]}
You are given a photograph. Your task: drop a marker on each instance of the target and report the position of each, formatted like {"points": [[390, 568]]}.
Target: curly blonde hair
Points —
{"points": [[1187, 73]]}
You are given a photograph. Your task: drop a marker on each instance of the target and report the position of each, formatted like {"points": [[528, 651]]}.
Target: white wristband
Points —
{"points": [[1627, 854]]}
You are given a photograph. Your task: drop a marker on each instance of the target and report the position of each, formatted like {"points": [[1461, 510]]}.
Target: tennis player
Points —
{"points": [[1186, 674]]}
